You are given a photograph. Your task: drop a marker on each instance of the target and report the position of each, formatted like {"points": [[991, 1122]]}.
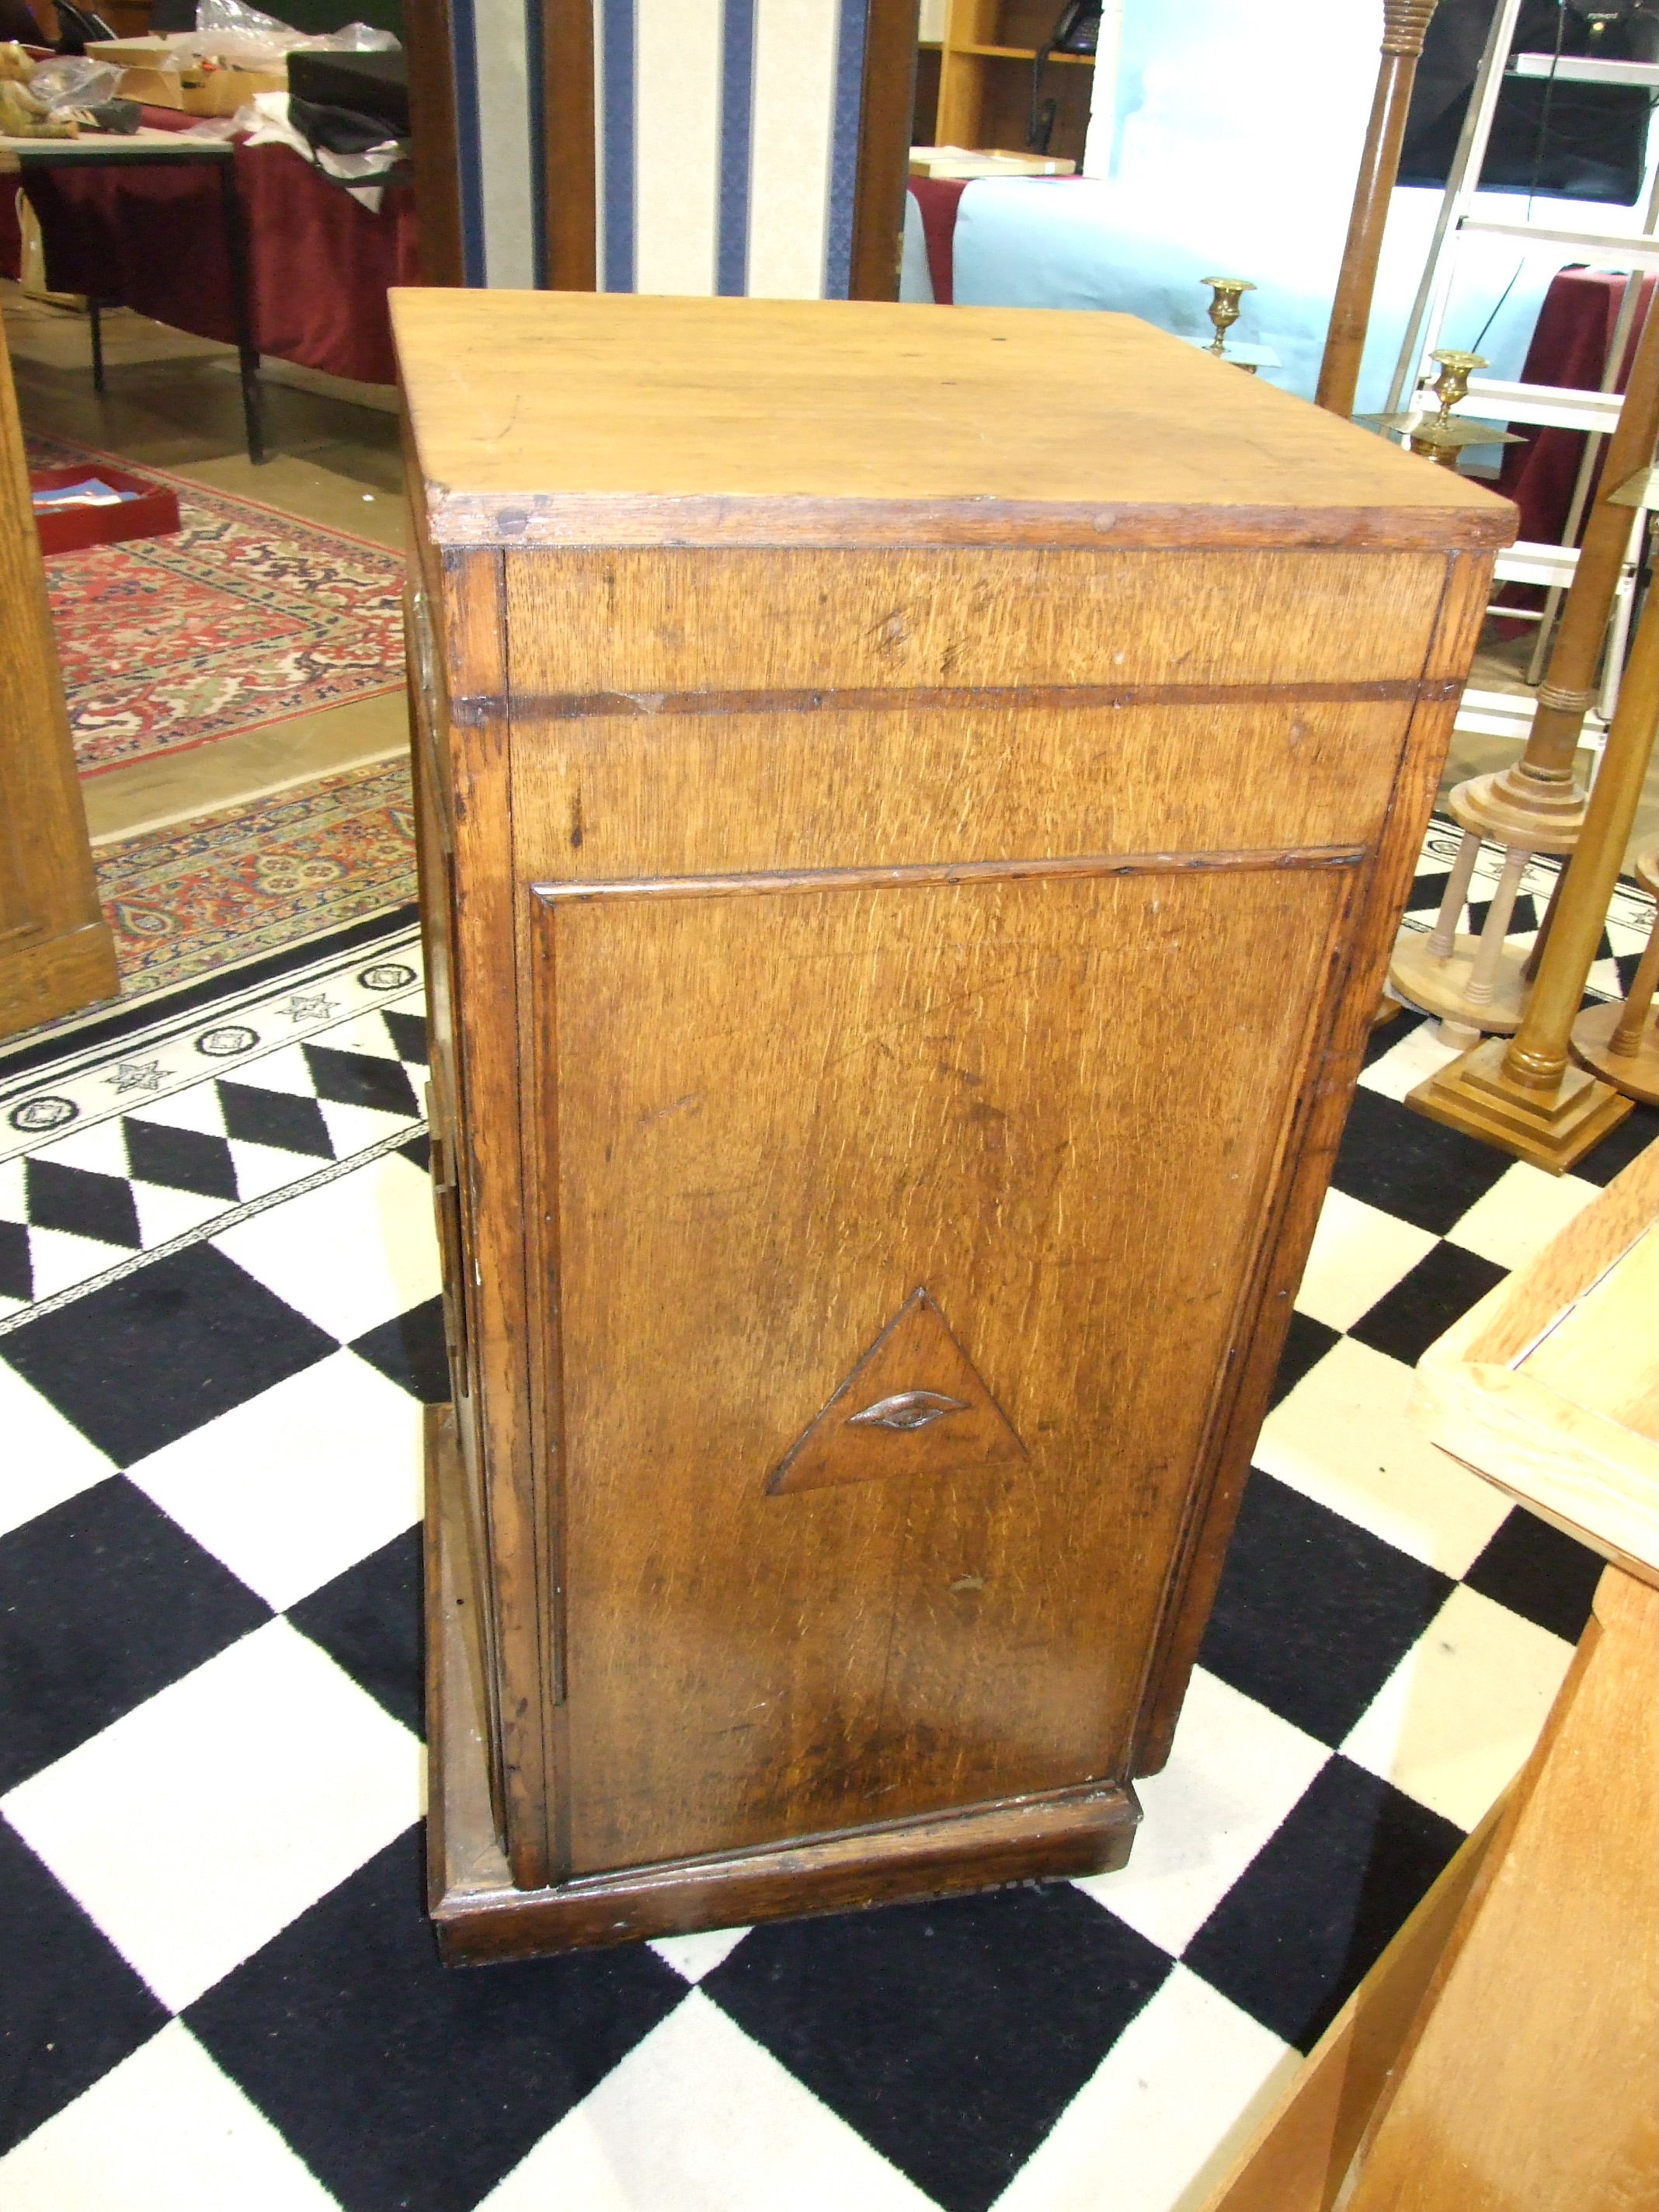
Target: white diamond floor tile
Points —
{"points": [[195, 1828], [297, 1484]]}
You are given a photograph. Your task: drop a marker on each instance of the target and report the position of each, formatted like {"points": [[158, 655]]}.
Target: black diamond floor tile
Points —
{"points": [[16, 1268], [147, 1358], [368, 1621], [1295, 1934], [1306, 1343], [358, 1079], [71, 2006], [418, 1152], [1425, 1302], [1314, 1612], [406, 2086], [408, 1034], [1614, 1153], [87, 1205], [411, 1351], [1411, 1167], [1539, 1573], [1390, 1033], [275, 1118], [181, 1159], [951, 2036], [104, 1600]]}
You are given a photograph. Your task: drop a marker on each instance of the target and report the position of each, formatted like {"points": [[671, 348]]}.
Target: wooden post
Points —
{"points": [[1404, 23], [1539, 792], [1622, 1042], [1527, 1098]]}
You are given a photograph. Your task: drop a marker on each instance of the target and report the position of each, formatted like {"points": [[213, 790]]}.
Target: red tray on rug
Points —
{"points": [[152, 513]]}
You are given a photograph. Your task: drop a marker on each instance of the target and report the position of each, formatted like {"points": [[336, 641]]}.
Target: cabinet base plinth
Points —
{"points": [[480, 1915]]}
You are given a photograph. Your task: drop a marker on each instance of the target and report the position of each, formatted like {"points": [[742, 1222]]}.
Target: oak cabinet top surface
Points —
{"points": [[591, 419]]}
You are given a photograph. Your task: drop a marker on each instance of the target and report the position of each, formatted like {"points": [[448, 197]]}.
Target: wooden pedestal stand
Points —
{"points": [[1622, 1042], [1527, 1097], [1503, 2051], [860, 1305], [1538, 805], [1404, 23]]}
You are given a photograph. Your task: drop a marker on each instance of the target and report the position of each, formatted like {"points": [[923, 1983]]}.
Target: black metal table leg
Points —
{"points": [[95, 322], [246, 351]]}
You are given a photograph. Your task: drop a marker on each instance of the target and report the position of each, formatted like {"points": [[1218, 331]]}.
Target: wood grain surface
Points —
{"points": [[819, 1100], [548, 417], [919, 912], [1529, 2084], [56, 951], [1550, 1386]]}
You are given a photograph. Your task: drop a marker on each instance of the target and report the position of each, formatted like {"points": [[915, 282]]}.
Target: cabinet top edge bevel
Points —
{"points": [[607, 420]]}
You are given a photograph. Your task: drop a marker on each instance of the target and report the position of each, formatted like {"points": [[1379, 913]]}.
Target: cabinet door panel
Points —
{"points": [[769, 1117]]}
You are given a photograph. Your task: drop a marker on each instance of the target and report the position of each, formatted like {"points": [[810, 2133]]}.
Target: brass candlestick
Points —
{"points": [[1224, 306], [1440, 438]]}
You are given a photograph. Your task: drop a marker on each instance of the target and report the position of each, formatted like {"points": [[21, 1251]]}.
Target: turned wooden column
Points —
{"points": [[1404, 23], [1540, 791], [1621, 1043], [1537, 804], [1527, 1097]]}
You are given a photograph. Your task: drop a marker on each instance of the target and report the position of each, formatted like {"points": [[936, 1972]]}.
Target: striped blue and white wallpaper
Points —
{"points": [[725, 143]]}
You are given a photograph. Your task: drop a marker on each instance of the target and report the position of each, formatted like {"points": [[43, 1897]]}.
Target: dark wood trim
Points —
{"points": [[1048, 698], [885, 114], [435, 155], [949, 872], [570, 235]]}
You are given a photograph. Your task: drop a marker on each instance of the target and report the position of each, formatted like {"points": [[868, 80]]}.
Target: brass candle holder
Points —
{"points": [[1442, 438], [1224, 309]]}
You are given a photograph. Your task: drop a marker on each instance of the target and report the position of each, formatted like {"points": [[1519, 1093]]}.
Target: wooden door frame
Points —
{"points": [[886, 108], [570, 219], [435, 140]]}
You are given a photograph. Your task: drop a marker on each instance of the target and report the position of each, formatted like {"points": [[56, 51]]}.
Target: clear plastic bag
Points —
{"points": [[72, 81], [232, 31], [355, 39]]}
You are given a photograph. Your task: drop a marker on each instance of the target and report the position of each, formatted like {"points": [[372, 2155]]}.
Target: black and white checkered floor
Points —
{"points": [[218, 1319]]}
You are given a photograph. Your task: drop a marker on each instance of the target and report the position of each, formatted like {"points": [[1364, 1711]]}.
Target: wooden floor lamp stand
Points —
{"points": [[1477, 985], [1621, 1043], [1526, 1096]]}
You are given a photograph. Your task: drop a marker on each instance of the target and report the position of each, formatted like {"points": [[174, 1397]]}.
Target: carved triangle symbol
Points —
{"points": [[913, 1405]]}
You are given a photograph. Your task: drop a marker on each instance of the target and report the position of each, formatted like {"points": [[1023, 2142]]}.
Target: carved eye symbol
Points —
{"points": [[910, 1409]]}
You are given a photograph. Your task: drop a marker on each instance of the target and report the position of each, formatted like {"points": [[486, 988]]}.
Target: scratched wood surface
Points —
{"points": [[991, 910], [610, 419]]}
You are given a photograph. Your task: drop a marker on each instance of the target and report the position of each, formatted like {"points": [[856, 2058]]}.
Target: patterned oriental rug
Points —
{"points": [[242, 616], [235, 886]]}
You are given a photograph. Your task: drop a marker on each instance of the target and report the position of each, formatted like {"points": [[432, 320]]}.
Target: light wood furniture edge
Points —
{"points": [[1297, 2157], [1597, 1481], [56, 951]]}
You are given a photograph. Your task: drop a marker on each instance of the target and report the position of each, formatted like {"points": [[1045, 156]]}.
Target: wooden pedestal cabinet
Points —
{"points": [[914, 809]]}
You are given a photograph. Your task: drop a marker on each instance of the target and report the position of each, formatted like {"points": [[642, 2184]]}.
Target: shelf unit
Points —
{"points": [[983, 62]]}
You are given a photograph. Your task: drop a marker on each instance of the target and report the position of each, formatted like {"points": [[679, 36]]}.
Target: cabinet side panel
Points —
{"points": [[782, 1112], [489, 1165], [1322, 1111]]}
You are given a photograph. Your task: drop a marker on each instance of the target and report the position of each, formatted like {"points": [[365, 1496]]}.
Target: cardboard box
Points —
{"points": [[200, 91], [197, 87]]}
